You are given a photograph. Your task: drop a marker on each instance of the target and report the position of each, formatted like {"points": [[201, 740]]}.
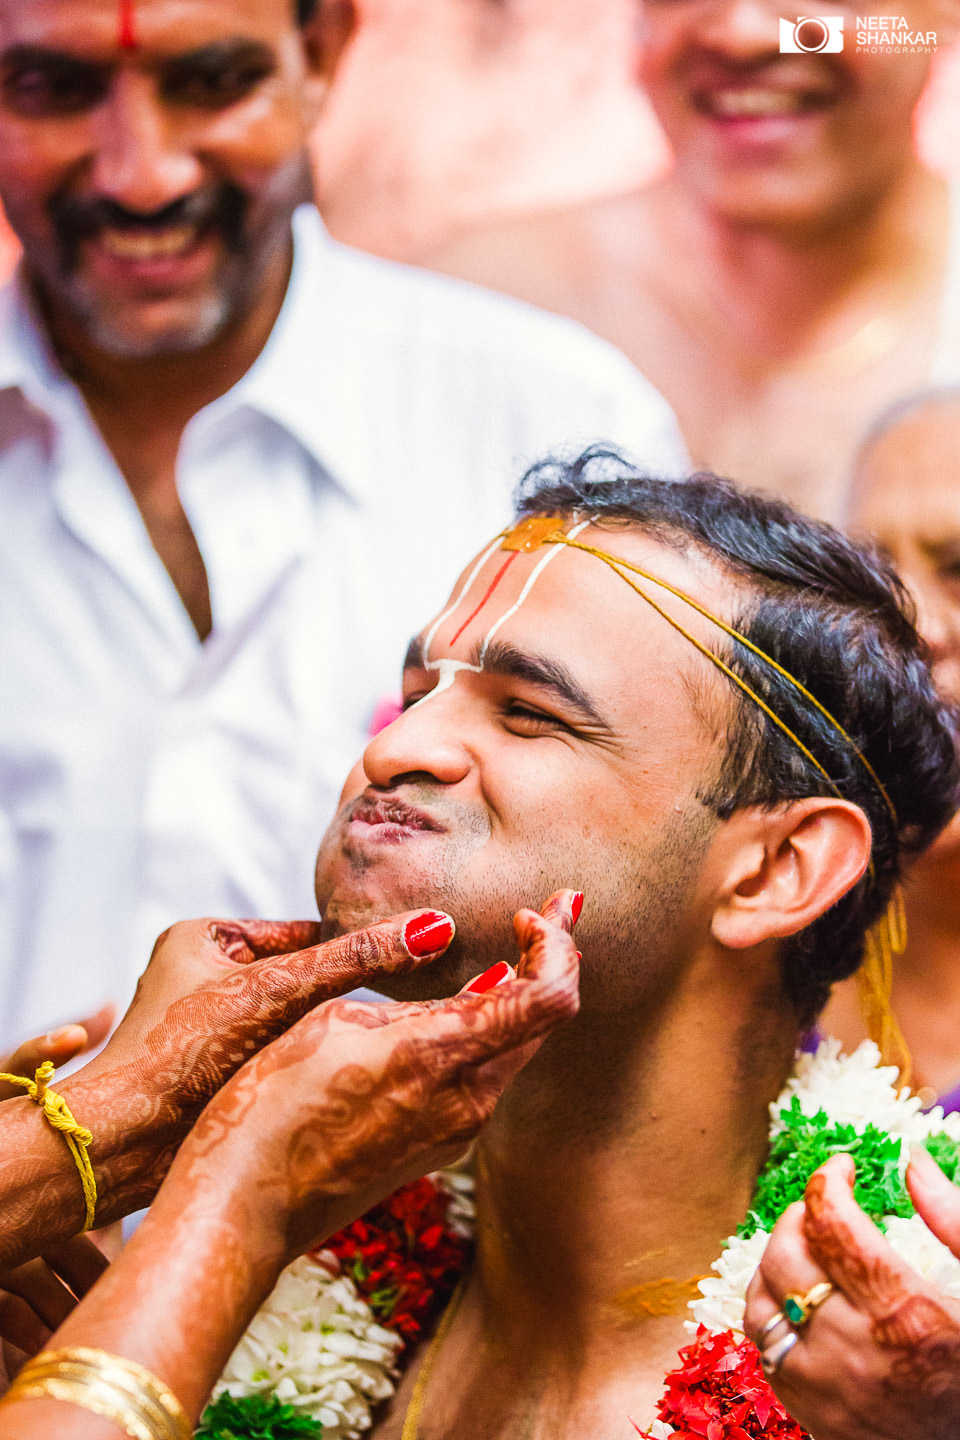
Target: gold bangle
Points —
{"points": [[110, 1385], [56, 1112]]}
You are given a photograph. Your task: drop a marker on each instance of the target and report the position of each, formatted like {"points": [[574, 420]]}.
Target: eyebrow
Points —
{"points": [[29, 55], [206, 56], [508, 661], [505, 659]]}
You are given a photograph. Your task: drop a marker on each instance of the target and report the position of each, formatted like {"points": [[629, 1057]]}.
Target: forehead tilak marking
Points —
{"points": [[126, 28], [448, 669]]}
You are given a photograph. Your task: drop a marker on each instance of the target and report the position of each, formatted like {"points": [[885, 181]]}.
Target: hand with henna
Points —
{"points": [[880, 1358], [349, 1103], [58, 1046], [214, 993]]}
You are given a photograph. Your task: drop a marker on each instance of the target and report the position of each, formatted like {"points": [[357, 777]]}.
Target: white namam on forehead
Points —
{"points": [[448, 669]]}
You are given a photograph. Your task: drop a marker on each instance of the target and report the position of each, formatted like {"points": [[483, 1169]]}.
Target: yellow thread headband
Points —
{"points": [[887, 937], [543, 530]]}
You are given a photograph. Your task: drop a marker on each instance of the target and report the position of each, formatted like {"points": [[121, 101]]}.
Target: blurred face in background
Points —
{"points": [[795, 140], [907, 495], [151, 155]]}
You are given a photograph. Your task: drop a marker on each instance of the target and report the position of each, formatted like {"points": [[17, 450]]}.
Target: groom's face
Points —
{"points": [[568, 752]]}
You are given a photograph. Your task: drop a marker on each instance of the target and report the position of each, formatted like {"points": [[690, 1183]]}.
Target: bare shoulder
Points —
{"points": [[556, 258]]}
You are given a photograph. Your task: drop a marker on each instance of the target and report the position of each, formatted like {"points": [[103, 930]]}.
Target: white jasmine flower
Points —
{"points": [[923, 1252], [723, 1295], [857, 1090], [459, 1186], [315, 1343]]}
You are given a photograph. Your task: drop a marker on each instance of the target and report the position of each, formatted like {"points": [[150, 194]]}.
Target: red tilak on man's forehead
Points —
{"points": [[126, 31]]}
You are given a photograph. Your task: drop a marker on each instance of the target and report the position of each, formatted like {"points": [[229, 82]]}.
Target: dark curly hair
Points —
{"points": [[836, 616]]}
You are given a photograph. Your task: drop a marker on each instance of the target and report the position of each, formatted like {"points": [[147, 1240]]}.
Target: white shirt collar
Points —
{"points": [[293, 381]]}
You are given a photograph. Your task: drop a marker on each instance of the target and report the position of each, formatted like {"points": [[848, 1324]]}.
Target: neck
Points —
{"points": [[623, 1156], [172, 388], [932, 896], [783, 284]]}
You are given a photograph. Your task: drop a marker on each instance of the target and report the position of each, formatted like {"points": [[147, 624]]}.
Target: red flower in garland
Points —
{"points": [[402, 1257], [719, 1392]]}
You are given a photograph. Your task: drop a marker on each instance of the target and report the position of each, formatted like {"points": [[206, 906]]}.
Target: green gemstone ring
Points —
{"points": [[798, 1309]]}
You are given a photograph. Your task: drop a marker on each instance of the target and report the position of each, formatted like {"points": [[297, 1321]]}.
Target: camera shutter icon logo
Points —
{"points": [[812, 35]]}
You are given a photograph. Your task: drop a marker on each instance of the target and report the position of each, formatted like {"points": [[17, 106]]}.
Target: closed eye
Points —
{"points": [[526, 719]]}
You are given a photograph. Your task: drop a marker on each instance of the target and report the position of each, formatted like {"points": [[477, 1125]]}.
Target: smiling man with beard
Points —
{"points": [[567, 724], [234, 460]]}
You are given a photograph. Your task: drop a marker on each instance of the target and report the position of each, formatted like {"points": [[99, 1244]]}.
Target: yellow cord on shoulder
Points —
{"points": [[56, 1112]]}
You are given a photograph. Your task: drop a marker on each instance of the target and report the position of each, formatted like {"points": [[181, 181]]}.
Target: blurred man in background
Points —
{"points": [[796, 269], [906, 495], [234, 460]]}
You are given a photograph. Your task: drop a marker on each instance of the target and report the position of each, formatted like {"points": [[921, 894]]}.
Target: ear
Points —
{"points": [[326, 36], [786, 867]]}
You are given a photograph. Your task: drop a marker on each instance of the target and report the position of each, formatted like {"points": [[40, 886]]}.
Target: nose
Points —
{"points": [[425, 743], [141, 160], [740, 30]]}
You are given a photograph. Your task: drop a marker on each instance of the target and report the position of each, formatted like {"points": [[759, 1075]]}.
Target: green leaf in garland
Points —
{"points": [[255, 1417], [946, 1152], [808, 1141]]}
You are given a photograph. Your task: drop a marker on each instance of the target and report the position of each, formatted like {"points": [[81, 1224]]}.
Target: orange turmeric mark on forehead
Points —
{"points": [[533, 532], [126, 29]]}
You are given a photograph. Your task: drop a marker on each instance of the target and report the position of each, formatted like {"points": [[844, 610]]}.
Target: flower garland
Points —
{"points": [[831, 1103], [325, 1348]]}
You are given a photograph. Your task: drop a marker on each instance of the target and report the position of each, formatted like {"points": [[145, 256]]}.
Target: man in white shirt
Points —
{"points": [[235, 459]]}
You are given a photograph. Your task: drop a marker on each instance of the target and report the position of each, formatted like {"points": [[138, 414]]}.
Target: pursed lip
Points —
{"points": [[387, 818]]}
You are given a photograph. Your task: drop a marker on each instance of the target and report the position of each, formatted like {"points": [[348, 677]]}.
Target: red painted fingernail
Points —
{"points": [[494, 976], [579, 954], [429, 933], [576, 905]]}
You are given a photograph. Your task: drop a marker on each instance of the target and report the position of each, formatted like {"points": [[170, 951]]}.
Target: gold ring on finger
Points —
{"points": [[798, 1309]]}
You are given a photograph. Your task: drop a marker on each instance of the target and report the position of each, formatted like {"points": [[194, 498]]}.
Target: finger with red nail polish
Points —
{"points": [[496, 975], [429, 933], [563, 908]]}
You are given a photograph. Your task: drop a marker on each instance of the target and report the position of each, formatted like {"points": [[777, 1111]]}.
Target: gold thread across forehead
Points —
{"points": [[540, 530], [888, 935]]}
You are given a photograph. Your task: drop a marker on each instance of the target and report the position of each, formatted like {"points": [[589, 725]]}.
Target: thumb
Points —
{"points": [[937, 1199]]}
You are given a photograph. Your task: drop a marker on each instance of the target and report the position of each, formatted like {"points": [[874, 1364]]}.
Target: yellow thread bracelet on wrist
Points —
{"points": [[56, 1112], [119, 1389]]}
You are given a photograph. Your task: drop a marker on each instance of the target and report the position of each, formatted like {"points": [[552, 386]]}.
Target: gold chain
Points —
{"points": [[411, 1420]]}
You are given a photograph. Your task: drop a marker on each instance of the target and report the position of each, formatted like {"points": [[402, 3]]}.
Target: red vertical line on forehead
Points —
{"points": [[126, 32], [492, 586]]}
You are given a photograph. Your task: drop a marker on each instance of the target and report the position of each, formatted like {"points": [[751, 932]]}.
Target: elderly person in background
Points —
{"points": [[907, 495]]}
